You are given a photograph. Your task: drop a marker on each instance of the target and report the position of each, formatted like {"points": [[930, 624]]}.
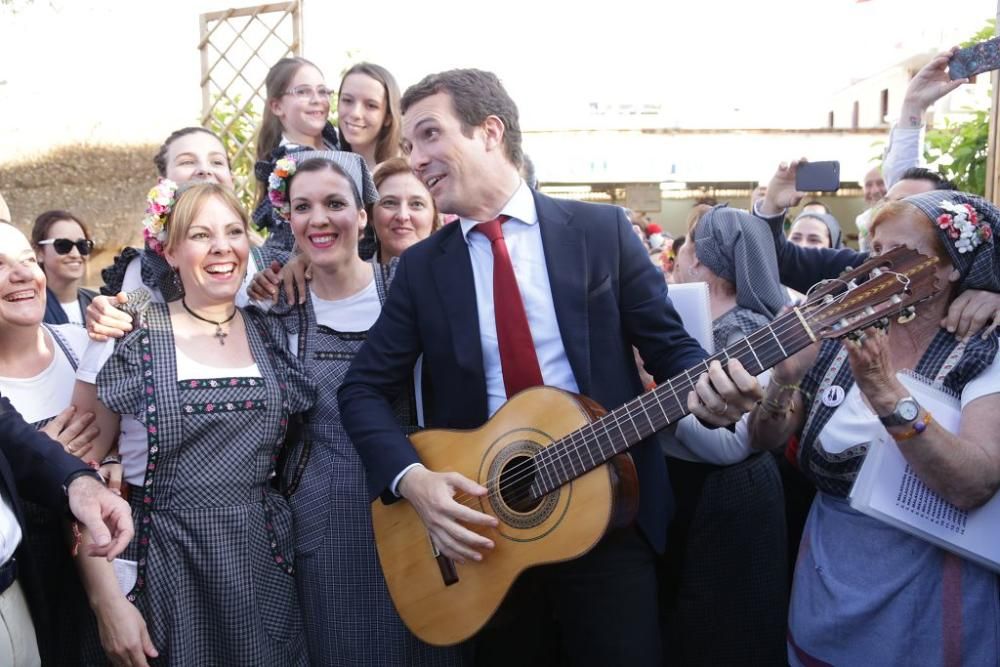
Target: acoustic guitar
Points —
{"points": [[556, 466]]}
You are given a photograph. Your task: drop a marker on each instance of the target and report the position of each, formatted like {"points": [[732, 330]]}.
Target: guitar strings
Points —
{"points": [[547, 456], [618, 416], [624, 415], [572, 444]]}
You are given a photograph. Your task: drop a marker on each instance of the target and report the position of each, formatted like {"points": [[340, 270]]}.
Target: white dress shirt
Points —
{"points": [[524, 244], [10, 529]]}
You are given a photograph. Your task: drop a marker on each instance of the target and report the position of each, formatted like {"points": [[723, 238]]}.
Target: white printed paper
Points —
{"points": [[126, 571]]}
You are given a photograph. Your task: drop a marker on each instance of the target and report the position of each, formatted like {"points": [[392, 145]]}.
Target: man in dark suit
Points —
{"points": [[35, 467], [544, 292]]}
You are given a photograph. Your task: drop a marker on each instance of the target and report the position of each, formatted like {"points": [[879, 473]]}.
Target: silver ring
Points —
{"points": [[723, 410]]}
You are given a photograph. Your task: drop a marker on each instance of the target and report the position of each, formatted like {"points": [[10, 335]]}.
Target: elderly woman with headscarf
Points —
{"points": [[864, 591], [725, 575]]}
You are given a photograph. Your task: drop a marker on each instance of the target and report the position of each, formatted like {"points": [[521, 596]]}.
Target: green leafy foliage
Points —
{"points": [[236, 122], [959, 149]]}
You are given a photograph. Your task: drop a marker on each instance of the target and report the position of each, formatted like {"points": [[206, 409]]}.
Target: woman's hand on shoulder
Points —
{"points": [[973, 312], [75, 432], [105, 319], [294, 275]]}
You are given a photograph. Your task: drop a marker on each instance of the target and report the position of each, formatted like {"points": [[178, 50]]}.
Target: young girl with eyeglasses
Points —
{"points": [[296, 118], [369, 124], [62, 246]]}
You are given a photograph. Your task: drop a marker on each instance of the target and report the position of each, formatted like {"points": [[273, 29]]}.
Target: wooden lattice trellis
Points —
{"points": [[238, 47]]}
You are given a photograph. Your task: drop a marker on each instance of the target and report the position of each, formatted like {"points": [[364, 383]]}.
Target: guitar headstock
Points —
{"points": [[881, 288]]}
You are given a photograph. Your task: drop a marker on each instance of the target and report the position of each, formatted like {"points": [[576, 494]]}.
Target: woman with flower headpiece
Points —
{"points": [[191, 154], [725, 566], [204, 391], [864, 591], [350, 619]]}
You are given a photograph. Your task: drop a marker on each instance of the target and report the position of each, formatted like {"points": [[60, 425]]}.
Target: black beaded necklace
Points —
{"points": [[219, 333]]}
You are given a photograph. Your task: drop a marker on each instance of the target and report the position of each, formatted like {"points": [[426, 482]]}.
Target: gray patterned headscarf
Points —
{"points": [[353, 165], [832, 226], [970, 240], [735, 246]]}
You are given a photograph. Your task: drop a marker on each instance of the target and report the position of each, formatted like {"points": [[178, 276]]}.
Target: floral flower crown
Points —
{"points": [[277, 186], [963, 226], [159, 202]]}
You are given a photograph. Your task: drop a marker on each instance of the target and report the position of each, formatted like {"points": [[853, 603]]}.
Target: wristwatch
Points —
{"points": [[907, 409], [82, 472]]}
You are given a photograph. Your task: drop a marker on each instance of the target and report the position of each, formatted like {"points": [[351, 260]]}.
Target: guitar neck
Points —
{"points": [[586, 448]]}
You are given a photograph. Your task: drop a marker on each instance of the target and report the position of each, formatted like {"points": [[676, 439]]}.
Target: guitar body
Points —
{"points": [[443, 602]]}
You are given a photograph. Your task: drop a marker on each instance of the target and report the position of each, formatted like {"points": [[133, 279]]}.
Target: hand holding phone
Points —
{"points": [[818, 176], [975, 59]]}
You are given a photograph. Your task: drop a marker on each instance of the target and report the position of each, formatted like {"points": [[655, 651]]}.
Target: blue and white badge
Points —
{"points": [[833, 396]]}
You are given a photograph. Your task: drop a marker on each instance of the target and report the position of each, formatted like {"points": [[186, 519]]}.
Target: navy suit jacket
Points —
{"points": [[608, 296], [801, 268], [32, 465]]}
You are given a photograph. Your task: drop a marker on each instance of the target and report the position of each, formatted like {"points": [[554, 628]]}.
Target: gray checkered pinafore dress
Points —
{"points": [[213, 539], [349, 616]]}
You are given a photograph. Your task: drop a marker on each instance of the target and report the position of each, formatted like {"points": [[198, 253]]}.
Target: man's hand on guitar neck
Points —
{"points": [[437, 497], [720, 399]]}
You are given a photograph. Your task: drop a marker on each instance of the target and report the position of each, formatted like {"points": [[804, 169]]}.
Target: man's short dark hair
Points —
{"points": [[475, 95], [528, 172], [923, 174]]}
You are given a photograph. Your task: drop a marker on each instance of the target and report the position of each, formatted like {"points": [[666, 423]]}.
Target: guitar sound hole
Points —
{"points": [[515, 484]]}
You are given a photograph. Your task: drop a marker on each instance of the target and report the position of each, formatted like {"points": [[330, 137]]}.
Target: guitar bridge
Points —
{"points": [[449, 575]]}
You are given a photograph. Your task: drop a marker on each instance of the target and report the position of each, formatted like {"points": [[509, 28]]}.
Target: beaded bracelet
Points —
{"points": [[919, 427]]}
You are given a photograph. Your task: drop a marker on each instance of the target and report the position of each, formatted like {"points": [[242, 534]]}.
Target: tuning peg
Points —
{"points": [[906, 314], [882, 323]]}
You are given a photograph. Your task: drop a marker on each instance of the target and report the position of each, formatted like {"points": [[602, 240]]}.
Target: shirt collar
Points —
{"points": [[521, 207]]}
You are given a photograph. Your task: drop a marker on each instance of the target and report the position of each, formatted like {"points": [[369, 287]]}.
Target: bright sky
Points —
{"points": [[129, 70]]}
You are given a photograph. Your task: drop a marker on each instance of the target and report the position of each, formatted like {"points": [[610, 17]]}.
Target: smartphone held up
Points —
{"points": [[975, 59], [818, 176]]}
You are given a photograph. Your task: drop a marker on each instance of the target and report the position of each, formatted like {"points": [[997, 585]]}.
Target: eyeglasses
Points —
{"points": [[306, 93], [65, 246]]}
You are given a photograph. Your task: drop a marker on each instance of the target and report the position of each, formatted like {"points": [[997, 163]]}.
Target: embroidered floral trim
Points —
{"points": [[145, 527], [277, 186], [329, 355], [223, 407], [159, 202], [963, 226], [215, 383]]}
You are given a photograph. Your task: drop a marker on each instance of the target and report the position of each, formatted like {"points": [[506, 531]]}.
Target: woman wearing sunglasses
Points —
{"points": [[62, 246]]}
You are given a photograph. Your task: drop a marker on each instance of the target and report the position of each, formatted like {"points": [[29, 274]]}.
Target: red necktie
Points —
{"points": [[517, 350]]}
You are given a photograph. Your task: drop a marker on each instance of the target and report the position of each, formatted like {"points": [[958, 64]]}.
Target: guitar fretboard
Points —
{"points": [[594, 444]]}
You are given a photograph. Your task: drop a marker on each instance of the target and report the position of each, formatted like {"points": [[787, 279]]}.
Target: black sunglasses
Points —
{"points": [[65, 246]]}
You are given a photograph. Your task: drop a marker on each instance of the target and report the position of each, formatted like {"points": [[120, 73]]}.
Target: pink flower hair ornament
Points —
{"points": [[159, 202], [963, 226], [277, 186]]}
